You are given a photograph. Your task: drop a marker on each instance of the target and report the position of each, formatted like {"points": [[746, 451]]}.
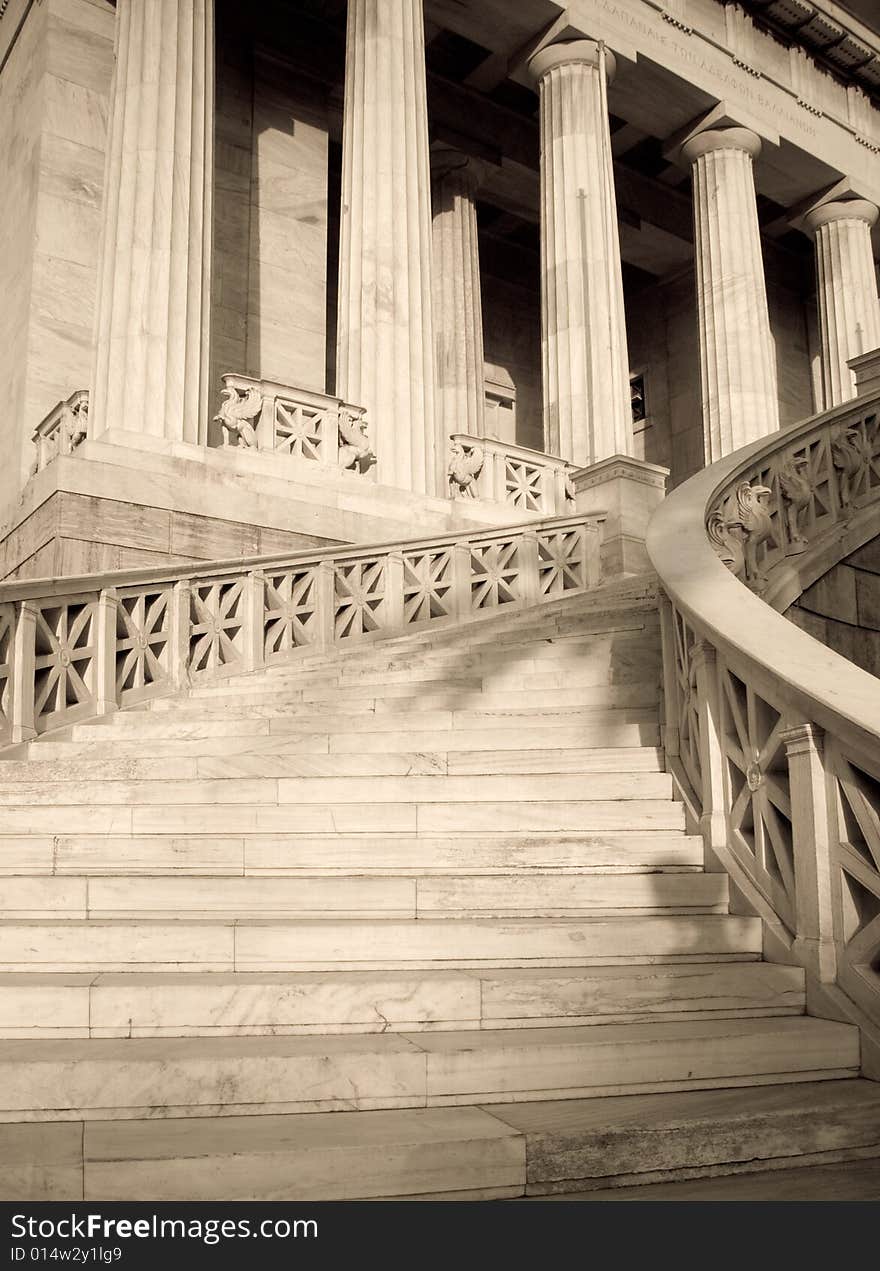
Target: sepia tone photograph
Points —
{"points": [[439, 609]]}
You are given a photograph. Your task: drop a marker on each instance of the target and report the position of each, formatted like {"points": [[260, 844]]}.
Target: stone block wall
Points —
{"points": [[842, 609]]}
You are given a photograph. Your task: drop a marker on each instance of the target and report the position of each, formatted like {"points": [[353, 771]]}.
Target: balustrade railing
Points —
{"points": [[73, 648], [528, 480], [773, 740], [317, 428], [62, 430]]}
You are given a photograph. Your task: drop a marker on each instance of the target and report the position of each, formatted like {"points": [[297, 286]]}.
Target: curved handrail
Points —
{"points": [[772, 738], [75, 647]]}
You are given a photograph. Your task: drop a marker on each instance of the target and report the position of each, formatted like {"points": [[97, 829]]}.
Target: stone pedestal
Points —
{"points": [[151, 360], [866, 371], [458, 313], [737, 356], [384, 337], [587, 414], [849, 311], [627, 490]]}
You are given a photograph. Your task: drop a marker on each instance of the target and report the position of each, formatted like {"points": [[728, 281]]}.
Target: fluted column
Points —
{"points": [[385, 338], [458, 312], [737, 357], [849, 311], [587, 413], [152, 326]]}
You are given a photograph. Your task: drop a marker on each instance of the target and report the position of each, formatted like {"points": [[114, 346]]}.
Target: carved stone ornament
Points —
{"points": [[754, 777], [355, 451], [796, 492], [76, 423], [465, 466], [236, 415], [851, 455], [737, 528]]}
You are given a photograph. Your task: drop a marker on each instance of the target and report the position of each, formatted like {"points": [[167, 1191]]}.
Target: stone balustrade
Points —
{"points": [[72, 648], [62, 430], [265, 415], [499, 471], [773, 739]]}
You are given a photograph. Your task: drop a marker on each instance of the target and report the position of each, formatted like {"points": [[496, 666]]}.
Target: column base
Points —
{"points": [[627, 490]]}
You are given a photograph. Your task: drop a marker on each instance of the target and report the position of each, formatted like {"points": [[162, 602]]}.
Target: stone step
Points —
{"points": [[193, 1004], [296, 854], [217, 944], [219, 788], [431, 818], [111, 767], [533, 895], [802, 1140], [339, 701], [254, 737], [136, 1077], [600, 720]]}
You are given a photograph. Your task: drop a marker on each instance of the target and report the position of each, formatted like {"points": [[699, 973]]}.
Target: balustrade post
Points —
{"points": [[814, 944], [527, 560], [592, 554], [23, 666], [713, 817], [499, 476], [178, 662], [266, 423], [560, 500], [669, 729], [105, 652], [255, 604], [325, 605], [462, 575], [393, 606]]}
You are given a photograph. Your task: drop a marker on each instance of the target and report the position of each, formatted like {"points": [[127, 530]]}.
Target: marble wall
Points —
{"points": [[53, 100], [842, 609]]}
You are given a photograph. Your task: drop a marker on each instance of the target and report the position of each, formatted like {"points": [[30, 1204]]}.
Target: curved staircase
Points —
{"points": [[417, 918]]}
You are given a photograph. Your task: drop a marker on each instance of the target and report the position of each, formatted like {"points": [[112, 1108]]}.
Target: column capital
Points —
{"points": [[448, 159], [721, 139], [587, 52], [841, 210]]}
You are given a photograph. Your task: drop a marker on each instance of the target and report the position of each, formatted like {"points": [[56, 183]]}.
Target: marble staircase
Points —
{"points": [[421, 918]]}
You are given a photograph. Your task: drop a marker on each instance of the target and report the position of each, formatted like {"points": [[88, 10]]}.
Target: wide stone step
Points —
{"points": [[535, 895], [194, 1004], [256, 737], [216, 944], [219, 787], [731, 1138], [132, 1078], [509, 817], [294, 854], [112, 767]]}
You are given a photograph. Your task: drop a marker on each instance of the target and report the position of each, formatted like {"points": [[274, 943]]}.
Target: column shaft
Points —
{"points": [[152, 325], [384, 337], [737, 354], [587, 413], [849, 311], [458, 314]]}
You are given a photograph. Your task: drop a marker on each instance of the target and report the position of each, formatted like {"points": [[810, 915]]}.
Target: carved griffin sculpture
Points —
{"points": [[797, 490], [737, 529], [237, 413], [851, 455], [465, 466], [354, 446]]}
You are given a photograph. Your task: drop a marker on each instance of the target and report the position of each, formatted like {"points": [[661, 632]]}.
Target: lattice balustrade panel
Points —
{"points": [[65, 650], [216, 625], [299, 430], [758, 793], [289, 612], [855, 824], [524, 485], [359, 589], [7, 641], [494, 574], [427, 585], [562, 563], [685, 676], [143, 643]]}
